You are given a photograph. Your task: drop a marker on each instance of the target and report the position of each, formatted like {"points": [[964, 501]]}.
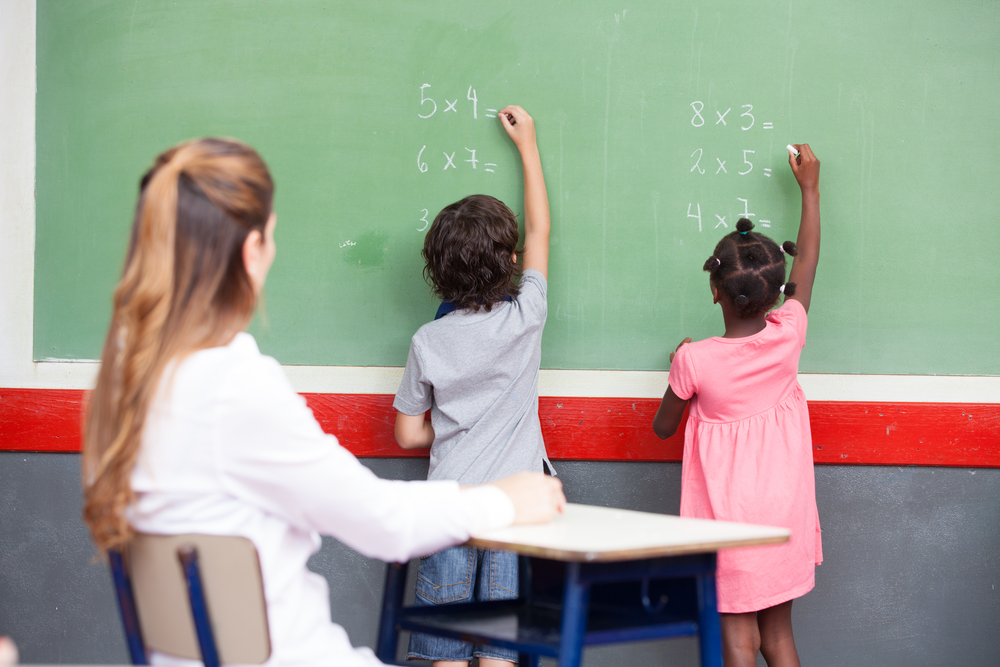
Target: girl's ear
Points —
{"points": [[715, 294]]}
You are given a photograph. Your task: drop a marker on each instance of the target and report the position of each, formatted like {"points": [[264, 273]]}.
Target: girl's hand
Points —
{"points": [[805, 167], [536, 497], [519, 126], [686, 340]]}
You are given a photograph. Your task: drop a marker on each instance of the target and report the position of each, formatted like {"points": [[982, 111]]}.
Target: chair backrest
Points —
{"points": [[234, 592]]}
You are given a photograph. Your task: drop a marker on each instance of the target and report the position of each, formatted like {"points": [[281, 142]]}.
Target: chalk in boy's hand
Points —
{"points": [[519, 125]]}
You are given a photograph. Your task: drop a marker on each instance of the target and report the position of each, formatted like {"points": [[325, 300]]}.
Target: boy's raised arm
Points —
{"points": [[803, 274], [521, 128]]}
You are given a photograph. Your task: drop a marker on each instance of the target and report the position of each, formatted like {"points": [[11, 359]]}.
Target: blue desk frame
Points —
{"points": [[564, 606]]}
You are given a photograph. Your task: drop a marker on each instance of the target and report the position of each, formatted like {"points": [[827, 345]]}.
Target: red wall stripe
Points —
{"points": [[593, 429]]}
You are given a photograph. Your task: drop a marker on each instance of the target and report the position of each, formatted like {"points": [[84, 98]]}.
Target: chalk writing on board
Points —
{"points": [[697, 215], [347, 243], [450, 158], [730, 162], [424, 111], [471, 96], [422, 166], [721, 164], [721, 117], [721, 219], [699, 152], [448, 161], [697, 121], [425, 100]]}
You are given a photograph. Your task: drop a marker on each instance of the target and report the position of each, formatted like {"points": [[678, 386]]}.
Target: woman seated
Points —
{"points": [[190, 429]]}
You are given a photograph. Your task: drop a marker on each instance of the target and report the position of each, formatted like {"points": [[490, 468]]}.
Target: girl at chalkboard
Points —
{"points": [[747, 444], [191, 429]]}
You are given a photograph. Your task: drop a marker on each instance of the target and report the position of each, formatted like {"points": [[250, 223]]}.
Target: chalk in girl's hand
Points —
{"points": [[792, 150], [510, 118]]}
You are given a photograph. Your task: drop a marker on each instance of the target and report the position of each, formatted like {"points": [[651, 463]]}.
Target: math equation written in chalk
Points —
{"points": [[444, 158], [441, 105], [742, 123]]}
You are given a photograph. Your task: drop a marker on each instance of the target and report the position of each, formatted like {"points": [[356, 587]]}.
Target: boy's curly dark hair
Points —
{"points": [[749, 268], [468, 252]]}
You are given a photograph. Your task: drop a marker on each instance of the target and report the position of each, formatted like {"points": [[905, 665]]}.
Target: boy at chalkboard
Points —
{"points": [[475, 367]]}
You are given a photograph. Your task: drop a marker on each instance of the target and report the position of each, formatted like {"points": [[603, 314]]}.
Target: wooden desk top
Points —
{"points": [[586, 533]]}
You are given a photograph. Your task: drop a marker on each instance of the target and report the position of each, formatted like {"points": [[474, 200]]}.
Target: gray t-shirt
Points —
{"points": [[478, 374]]}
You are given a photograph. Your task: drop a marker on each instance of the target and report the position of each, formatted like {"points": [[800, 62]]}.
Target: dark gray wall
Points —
{"points": [[910, 578]]}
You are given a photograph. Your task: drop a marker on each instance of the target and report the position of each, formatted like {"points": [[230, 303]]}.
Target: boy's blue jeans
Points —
{"points": [[463, 574]]}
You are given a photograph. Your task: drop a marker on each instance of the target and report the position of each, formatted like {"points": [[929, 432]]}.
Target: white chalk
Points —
{"points": [[791, 149]]}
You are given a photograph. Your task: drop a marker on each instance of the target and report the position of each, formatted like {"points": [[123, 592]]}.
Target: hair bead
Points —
{"points": [[743, 226]]}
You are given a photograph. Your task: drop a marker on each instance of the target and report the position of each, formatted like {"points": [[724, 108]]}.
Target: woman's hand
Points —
{"points": [[537, 498]]}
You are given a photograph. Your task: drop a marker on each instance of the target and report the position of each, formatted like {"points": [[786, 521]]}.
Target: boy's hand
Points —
{"points": [[536, 497], [805, 167], [686, 340], [519, 125]]}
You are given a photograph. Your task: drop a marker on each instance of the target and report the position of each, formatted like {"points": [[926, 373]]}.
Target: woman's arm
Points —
{"points": [[803, 274], [521, 128], [272, 454]]}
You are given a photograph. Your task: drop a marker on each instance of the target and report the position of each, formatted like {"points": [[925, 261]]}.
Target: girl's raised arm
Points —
{"points": [[806, 170], [521, 128]]}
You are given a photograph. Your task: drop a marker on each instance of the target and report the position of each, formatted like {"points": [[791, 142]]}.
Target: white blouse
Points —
{"points": [[229, 448]]}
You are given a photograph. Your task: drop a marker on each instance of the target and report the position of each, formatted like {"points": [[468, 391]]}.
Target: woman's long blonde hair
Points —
{"points": [[184, 288]]}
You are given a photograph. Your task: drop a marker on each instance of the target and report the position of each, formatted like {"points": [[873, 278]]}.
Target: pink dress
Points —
{"points": [[748, 456]]}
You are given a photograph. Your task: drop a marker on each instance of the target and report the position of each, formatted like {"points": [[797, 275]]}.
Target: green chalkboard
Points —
{"points": [[659, 125]]}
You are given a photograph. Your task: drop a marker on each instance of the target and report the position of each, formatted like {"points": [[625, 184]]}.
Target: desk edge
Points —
{"points": [[622, 555]]}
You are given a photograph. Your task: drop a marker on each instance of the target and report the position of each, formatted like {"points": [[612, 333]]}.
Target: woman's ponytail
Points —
{"points": [[196, 206]]}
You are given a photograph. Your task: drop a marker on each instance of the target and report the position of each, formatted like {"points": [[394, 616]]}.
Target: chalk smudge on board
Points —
{"points": [[368, 250]]}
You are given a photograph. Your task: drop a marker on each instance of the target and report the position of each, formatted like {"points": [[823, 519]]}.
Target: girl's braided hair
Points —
{"points": [[749, 268]]}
